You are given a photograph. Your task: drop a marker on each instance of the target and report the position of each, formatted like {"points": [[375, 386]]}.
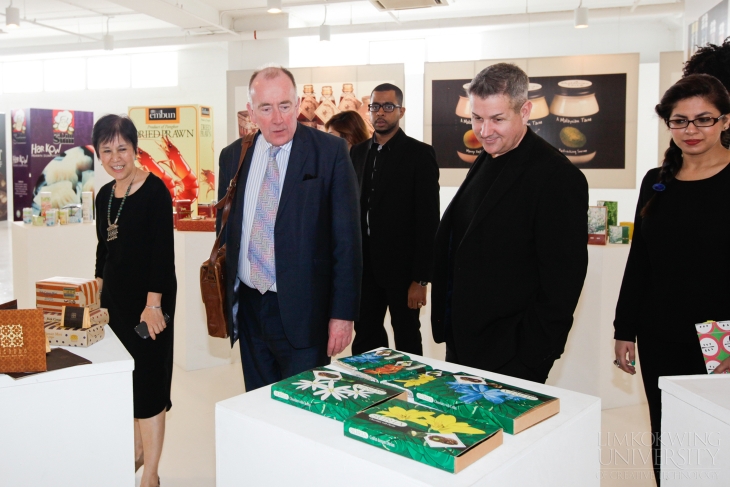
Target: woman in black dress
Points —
{"points": [[135, 267], [676, 274]]}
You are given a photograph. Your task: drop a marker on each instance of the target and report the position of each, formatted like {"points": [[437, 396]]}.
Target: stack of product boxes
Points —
{"points": [[71, 310], [443, 419]]}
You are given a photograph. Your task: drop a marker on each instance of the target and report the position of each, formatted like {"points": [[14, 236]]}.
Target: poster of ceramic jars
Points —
{"points": [[323, 92], [51, 152], [584, 106], [3, 170], [176, 145], [710, 27]]}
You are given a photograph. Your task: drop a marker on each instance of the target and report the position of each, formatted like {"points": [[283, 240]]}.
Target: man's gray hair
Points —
{"points": [[270, 72], [501, 79]]}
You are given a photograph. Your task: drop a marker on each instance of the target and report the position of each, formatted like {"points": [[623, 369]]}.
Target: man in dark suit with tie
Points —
{"points": [[294, 259], [398, 178], [510, 252]]}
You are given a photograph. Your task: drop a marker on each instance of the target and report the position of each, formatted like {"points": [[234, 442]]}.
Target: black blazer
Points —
{"points": [[519, 269], [317, 235], [404, 213]]}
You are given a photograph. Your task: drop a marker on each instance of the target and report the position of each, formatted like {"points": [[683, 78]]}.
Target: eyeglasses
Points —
{"points": [[387, 108], [682, 123]]}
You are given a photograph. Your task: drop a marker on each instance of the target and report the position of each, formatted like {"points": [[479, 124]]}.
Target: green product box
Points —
{"points": [[612, 209], [372, 360], [331, 393], [714, 337], [485, 400], [416, 378], [618, 234], [444, 441]]}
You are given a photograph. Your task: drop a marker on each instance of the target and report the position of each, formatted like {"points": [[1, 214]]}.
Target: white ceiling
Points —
{"points": [[61, 25]]}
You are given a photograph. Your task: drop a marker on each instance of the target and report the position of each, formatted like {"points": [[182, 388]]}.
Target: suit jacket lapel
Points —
{"points": [[243, 178], [300, 154], [512, 171]]}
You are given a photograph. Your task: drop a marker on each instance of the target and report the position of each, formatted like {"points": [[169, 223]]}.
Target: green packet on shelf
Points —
{"points": [[415, 378], [331, 393], [440, 440], [481, 399], [372, 360]]}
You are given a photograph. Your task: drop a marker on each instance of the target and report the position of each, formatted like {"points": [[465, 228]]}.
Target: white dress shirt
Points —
{"points": [[253, 186]]}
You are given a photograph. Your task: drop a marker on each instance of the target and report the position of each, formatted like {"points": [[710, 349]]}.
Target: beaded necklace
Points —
{"points": [[113, 230]]}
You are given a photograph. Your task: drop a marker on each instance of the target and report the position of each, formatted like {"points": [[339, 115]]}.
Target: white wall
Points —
{"points": [[201, 80]]}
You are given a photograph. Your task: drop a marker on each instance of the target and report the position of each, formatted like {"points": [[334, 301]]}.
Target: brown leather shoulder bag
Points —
{"points": [[213, 270]]}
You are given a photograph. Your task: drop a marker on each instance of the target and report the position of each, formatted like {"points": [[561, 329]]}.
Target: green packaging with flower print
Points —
{"points": [[331, 393], [372, 359], [488, 401], [444, 441], [414, 379]]}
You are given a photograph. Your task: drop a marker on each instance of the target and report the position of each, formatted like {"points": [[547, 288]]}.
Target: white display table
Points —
{"points": [[587, 363], [43, 252], [71, 427], [695, 430], [194, 349], [260, 441]]}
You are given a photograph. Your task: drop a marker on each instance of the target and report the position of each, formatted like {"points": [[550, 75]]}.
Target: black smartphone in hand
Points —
{"points": [[142, 329]]}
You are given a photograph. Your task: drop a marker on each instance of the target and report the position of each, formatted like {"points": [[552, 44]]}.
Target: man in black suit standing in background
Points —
{"points": [[510, 252], [399, 202]]}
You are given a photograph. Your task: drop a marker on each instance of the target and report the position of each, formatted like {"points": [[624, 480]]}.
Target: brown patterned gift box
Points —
{"points": [[22, 341], [196, 225], [97, 317], [54, 293]]}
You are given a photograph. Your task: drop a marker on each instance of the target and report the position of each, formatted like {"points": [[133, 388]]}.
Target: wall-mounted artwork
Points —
{"points": [[585, 106]]}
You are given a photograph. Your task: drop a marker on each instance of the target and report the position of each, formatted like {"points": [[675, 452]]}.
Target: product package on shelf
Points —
{"points": [[618, 235], [176, 145], [331, 393], [99, 316], [196, 225], [611, 211], [441, 440], [54, 293], [597, 225], [714, 339], [22, 341], [416, 378], [488, 401], [53, 160], [58, 335], [372, 359]]}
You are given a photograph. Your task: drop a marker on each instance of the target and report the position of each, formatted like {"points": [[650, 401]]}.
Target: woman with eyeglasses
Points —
{"points": [[678, 266]]}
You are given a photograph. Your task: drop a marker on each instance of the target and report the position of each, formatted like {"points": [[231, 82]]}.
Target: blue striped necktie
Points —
{"points": [[261, 253]]}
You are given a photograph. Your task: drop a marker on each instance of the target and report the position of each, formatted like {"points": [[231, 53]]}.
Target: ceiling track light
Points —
{"points": [[324, 33], [12, 17], [581, 16], [273, 6]]}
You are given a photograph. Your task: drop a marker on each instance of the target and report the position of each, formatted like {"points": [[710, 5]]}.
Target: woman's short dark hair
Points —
{"points": [[702, 86], [350, 125], [111, 126]]}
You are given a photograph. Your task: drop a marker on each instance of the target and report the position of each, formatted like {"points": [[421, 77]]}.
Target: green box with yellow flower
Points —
{"points": [[487, 401], [415, 378], [332, 393], [441, 440], [373, 359]]}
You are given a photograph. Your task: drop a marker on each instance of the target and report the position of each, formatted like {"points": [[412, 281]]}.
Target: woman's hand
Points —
{"points": [[625, 356], [152, 315], [723, 368]]}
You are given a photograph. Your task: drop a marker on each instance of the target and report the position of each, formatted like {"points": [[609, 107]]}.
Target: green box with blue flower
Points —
{"points": [[373, 359], [441, 440], [332, 393], [486, 400]]}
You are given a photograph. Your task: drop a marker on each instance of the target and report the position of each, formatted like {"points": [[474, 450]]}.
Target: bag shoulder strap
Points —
{"points": [[227, 200]]}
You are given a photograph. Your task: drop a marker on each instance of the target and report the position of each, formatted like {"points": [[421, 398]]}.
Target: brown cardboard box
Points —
{"points": [[196, 225], [54, 293]]}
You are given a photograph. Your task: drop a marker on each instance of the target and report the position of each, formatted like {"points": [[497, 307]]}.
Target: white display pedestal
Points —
{"points": [[43, 252], [71, 427], [695, 430], [194, 349], [587, 363], [260, 441]]}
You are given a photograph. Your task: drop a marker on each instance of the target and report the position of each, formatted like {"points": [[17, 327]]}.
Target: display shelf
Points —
{"points": [[71, 427], [695, 429], [260, 441], [43, 252], [587, 364]]}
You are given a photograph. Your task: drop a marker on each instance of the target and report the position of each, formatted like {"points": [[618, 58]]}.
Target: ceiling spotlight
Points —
{"points": [[12, 17], [324, 33], [108, 42], [273, 6], [581, 17]]}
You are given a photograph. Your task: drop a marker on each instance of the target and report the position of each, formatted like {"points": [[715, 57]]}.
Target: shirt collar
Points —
{"points": [[286, 147]]}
